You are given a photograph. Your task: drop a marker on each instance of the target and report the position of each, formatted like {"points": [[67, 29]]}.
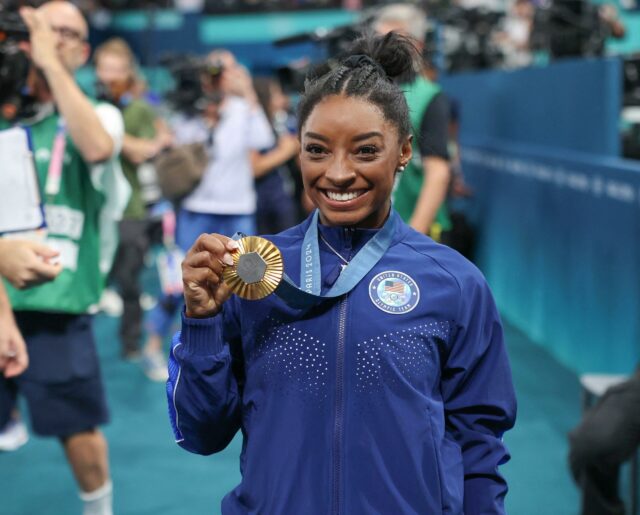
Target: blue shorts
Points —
{"points": [[63, 386]]}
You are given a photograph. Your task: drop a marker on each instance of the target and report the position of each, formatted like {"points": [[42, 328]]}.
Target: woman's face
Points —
{"points": [[349, 155]]}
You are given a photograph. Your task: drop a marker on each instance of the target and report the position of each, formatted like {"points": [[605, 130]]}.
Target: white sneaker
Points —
{"points": [[111, 303], [13, 436], [154, 366]]}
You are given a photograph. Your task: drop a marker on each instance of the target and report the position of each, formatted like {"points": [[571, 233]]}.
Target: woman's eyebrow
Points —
{"points": [[367, 135], [315, 135]]}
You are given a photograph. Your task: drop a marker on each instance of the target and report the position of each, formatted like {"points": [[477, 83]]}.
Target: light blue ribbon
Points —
{"points": [[309, 292]]}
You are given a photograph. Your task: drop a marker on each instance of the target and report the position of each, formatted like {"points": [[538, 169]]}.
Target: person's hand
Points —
{"points": [[459, 188], [164, 139], [43, 41], [204, 290], [236, 80], [27, 263], [13, 351]]}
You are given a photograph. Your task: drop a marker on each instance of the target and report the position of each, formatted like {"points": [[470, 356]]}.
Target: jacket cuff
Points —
{"points": [[202, 336]]}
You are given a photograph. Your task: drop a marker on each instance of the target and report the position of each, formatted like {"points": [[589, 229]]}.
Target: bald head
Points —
{"points": [[62, 13], [71, 32]]}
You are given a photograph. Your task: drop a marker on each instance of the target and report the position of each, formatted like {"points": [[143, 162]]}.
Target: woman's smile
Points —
{"points": [[344, 197]]}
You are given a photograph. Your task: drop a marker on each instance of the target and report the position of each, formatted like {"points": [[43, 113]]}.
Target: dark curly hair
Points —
{"points": [[370, 69]]}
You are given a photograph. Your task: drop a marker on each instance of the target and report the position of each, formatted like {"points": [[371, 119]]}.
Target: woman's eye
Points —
{"points": [[368, 150], [314, 149]]}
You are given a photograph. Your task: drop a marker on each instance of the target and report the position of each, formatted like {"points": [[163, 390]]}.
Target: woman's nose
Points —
{"points": [[340, 172]]}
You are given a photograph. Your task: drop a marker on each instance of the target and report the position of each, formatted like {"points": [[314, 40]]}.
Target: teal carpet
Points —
{"points": [[152, 475]]}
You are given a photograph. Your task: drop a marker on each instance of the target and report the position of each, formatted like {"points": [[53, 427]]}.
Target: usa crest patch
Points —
{"points": [[394, 292]]}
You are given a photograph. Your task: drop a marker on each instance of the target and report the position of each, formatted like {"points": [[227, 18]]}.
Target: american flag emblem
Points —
{"points": [[394, 292], [394, 286]]}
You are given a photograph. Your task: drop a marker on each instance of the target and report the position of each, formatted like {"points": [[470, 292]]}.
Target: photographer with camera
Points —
{"points": [[117, 80], [231, 124], [75, 145]]}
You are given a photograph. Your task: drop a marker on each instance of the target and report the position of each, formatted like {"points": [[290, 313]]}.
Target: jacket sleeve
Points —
{"points": [[479, 397], [202, 390]]}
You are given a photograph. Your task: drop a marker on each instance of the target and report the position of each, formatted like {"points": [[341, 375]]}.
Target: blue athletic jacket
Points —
{"points": [[390, 400]]}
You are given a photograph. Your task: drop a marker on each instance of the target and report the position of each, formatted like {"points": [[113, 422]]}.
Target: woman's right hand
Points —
{"points": [[204, 290]]}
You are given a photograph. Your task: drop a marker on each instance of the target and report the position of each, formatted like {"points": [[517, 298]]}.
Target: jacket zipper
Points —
{"points": [[339, 400], [339, 410]]}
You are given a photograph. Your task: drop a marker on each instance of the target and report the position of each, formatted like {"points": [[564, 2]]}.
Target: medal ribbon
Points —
{"points": [[308, 294]]}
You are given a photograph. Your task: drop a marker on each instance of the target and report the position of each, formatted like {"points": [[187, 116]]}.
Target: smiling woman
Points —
{"points": [[355, 143], [390, 393], [347, 172]]}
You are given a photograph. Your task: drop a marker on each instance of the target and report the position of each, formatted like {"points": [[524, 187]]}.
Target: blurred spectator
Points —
{"points": [[276, 209], [422, 187], [608, 436], [76, 145], [513, 40], [119, 84], [232, 125], [611, 18]]}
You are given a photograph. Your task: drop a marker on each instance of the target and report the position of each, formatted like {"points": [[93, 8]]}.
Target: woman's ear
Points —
{"points": [[406, 151]]}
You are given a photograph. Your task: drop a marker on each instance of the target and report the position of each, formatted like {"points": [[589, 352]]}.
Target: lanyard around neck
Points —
{"points": [[56, 160], [309, 292]]}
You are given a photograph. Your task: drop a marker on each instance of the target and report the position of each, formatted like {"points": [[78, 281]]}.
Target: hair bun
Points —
{"points": [[359, 60], [393, 54]]}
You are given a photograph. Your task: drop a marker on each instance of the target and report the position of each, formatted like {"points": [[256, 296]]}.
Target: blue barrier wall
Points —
{"points": [[558, 227], [573, 105]]}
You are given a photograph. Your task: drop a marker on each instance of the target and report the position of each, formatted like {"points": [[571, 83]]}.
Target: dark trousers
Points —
{"points": [[127, 267], [608, 436]]}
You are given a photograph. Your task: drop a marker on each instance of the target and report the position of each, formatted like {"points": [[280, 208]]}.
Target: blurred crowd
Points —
{"points": [[462, 34]]}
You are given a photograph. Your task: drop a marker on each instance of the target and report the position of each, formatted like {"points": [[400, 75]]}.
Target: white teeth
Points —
{"points": [[343, 197]]}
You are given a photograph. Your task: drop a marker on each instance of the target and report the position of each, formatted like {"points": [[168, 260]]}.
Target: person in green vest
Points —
{"points": [[421, 189], [75, 143], [144, 139]]}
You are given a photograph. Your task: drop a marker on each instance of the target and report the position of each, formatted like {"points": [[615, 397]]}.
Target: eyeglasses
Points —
{"points": [[68, 34]]}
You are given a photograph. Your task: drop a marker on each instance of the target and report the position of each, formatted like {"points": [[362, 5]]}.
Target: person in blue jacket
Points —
{"points": [[388, 395]]}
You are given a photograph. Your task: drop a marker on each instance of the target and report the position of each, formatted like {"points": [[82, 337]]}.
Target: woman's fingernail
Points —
{"points": [[227, 259], [232, 244]]}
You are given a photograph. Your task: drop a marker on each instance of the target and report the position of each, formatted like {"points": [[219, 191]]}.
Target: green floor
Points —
{"points": [[153, 476]]}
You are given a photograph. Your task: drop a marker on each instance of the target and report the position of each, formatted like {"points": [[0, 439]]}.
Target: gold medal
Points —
{"points": [[257, 268]]}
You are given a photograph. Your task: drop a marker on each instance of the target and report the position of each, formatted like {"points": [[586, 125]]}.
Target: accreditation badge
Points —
{"points": [[257, 268], [170, 270]]}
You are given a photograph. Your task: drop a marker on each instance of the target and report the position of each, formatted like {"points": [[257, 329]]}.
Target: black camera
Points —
{"points": [[569, 28], [196, 82], [14, 66]]}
